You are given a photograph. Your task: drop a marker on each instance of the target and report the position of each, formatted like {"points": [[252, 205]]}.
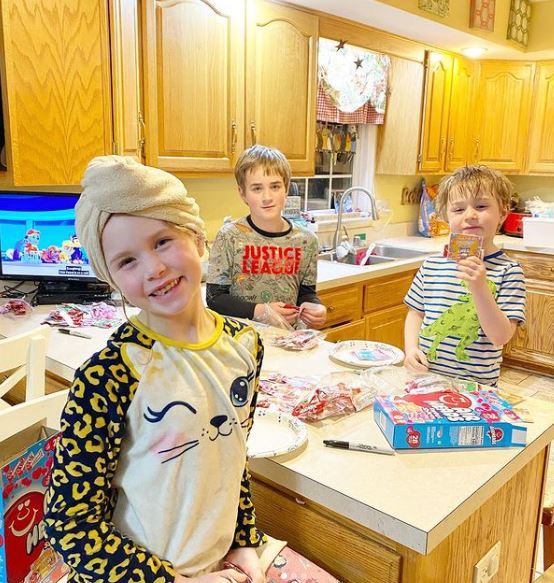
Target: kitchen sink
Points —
{"points": [[396, 252], [350, 259], [380, 254]]}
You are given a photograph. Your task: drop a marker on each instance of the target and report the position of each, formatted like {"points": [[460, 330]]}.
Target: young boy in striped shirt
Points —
{"points": [[461, 313]]}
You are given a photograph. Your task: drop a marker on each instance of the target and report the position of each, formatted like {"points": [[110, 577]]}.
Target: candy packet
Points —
{"points": [[299, 340], [464, 245]]}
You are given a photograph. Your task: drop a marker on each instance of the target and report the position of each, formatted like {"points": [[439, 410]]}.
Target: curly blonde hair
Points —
{"points": [[270, 159], [468, 182]]}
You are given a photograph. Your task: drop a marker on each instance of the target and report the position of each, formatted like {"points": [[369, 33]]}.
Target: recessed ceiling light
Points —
{"points": [[473, 52]]}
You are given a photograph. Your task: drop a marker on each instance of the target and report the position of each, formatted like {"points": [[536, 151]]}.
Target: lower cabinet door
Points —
{"points": [[351, 331], [387, 326]]}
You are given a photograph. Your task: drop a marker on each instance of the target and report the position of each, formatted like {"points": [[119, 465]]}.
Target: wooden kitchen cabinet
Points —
{"points": [[220, 76], [384, 308], [438, 82], [193, 83], [448, 101], [343, 303], [541, 133], [387, 326], [371, 310], [56, 96], [281, 81], [502, 113], [398, 137], [459, 114], [532, 346], [128, 112]]}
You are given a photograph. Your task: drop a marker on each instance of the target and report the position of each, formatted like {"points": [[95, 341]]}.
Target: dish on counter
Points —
{"points": [[365, 354], [275, 433]]}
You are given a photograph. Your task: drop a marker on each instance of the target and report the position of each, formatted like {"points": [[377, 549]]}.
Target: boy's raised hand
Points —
{"points": [[472, 271], [416, 361]]}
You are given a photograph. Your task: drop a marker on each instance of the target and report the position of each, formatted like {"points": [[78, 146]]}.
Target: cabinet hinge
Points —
{"points": [[115, 148]]}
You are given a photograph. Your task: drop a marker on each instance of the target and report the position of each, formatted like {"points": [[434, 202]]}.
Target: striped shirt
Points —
{"points": [[447, 306]]}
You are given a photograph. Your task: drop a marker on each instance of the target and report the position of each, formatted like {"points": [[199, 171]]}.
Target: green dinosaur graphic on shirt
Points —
{"points": [[459, 321]]}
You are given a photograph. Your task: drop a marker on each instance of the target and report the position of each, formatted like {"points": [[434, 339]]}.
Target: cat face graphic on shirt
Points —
{"points": [[219, 427]]}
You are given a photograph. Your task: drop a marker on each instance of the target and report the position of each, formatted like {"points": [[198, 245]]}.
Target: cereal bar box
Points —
{"points": [[448, 419], [25, 463]]}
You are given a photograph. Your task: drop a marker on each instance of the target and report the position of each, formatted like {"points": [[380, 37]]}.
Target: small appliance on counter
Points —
{"points": [[513, 225]]}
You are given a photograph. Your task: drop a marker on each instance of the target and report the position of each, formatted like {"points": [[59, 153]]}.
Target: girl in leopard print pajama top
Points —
{"points": [[150, 481]]}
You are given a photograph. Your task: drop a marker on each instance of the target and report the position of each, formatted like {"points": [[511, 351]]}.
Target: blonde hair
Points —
{"points": [[468, 182], [270, 160]]}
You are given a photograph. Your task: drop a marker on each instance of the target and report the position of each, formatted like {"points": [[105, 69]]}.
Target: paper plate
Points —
{"points": [[365, 354], [275, 433]]}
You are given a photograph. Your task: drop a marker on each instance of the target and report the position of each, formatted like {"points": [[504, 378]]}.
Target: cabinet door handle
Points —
{"points": [[476, 150], [253, 132], [233, 136], [142, 136], [330, 308], [450, 153], [442, 143]]}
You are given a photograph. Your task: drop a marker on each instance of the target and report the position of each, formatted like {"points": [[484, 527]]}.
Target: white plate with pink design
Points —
{"points": [[275, 433], [365, 354]]}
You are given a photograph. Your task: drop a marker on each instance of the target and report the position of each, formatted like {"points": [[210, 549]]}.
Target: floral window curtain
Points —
{"points": [[352, 84]]}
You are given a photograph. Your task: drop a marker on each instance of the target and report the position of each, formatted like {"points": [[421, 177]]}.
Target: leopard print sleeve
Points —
{"points": [[81, 499], [246, 532]]}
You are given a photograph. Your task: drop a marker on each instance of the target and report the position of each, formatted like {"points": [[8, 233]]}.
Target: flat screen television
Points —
{"points": [[38, 243]]}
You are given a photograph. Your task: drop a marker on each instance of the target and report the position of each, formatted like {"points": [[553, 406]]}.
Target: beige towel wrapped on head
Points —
{"points": [[121, 185]]}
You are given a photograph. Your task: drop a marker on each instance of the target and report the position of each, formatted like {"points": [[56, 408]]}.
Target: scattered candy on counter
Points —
{"points": [[299, 340], [16, 308], [314, 398], [99, 314]]}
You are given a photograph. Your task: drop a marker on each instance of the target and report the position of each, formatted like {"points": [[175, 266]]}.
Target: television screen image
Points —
{"points": [[38, 239]]}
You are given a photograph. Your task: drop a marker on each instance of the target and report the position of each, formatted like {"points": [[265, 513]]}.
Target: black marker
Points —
{"points": [[357, 447]]}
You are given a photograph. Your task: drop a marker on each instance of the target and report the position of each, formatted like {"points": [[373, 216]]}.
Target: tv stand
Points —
{"points": [[75, 292]]}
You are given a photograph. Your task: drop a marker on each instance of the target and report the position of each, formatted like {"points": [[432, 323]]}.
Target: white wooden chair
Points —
{"points": [[46, 409], [26, 353]]}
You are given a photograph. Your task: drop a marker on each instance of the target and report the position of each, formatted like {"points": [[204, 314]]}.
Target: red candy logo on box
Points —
{"points": [[22, 534], [413, 439]]}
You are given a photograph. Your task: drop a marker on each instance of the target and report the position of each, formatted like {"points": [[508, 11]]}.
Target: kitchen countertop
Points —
{"points": [[414, 498], [333, 274]]}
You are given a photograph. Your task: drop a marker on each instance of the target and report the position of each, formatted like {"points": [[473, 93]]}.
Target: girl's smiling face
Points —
{"points": [[479, 215], [155, 266]]}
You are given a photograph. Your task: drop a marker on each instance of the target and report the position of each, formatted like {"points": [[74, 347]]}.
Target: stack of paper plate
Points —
{"points": [[365, 354], [275, 433]]}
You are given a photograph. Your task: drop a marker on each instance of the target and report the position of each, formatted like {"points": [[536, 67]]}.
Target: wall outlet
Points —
{"points": [[487, 567]]}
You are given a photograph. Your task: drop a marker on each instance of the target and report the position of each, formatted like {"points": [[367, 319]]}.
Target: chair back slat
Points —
{"points": [[26, 353]]}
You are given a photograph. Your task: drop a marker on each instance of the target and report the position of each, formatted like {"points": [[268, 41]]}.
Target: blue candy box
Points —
{"points": [[448, 419]]}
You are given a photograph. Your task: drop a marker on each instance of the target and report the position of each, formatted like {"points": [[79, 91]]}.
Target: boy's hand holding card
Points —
{"points": [[464, 245]]}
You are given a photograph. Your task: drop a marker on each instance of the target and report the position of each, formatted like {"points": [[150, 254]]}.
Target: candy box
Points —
{"points": [[448, 419], [25, 463]]}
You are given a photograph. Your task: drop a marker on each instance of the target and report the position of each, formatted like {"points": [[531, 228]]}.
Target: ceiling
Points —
{"points": [[406, 24]]}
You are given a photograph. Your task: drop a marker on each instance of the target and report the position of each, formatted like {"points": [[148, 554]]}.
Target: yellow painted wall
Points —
{"points": [[218, 197], [541, 37], [458, 18]]}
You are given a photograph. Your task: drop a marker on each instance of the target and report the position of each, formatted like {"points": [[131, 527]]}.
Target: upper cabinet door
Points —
{"points": [[281, 81], [541, 139], [438, 82], [194, 83], [502, 112], [56, 77], [126, 75], [459, 117]]}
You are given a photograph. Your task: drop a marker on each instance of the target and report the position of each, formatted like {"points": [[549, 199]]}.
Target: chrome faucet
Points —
{"points": [[340, 198]]}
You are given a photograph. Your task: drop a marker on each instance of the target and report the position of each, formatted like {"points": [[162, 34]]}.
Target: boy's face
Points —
{"points": [[155, 266], [480, 215], [265, 195]]}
